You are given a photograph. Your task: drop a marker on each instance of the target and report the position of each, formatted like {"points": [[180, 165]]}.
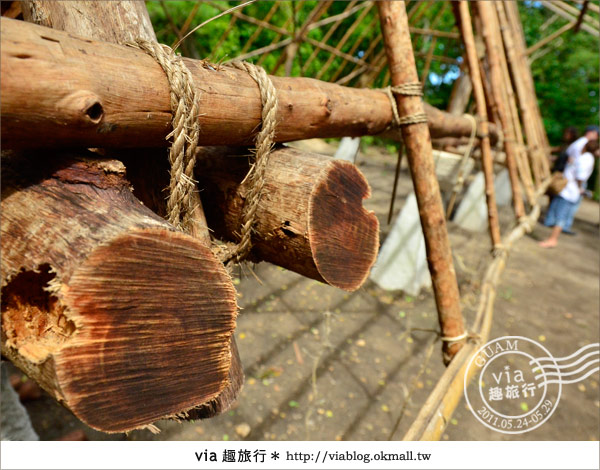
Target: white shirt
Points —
{"points": [[578, 170], [574, 150]]}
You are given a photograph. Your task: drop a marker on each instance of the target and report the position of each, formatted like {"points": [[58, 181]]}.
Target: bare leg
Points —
{"points": [[552, 240]]}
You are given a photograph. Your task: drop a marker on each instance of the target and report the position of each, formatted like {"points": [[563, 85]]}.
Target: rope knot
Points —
{"points": [[183, 198]]}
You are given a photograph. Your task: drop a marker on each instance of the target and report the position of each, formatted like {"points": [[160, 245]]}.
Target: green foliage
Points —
{"points": [[566, 78]]}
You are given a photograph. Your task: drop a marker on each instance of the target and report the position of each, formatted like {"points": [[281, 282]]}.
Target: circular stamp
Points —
{"points": [[512, 391]]}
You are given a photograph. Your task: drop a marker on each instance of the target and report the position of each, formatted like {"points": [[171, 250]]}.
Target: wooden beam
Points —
{"points": [[550, 38], [491, 37], [417, 141], [120, 22], [486, 150], [581, 15], [311, 219], [96, 94], [115, 314]]}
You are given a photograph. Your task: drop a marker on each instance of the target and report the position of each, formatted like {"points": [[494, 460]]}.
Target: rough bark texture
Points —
{"points": [[394, 23], [115, 314], [486, 151], [115, 21], [310, 219], [491, 36], [94, 94], [121, 22], [539, 138]]}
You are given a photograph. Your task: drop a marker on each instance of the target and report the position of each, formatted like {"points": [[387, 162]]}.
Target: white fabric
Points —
{"points": [[574, 150], [579, 170], [402, 261], [348, 149]]}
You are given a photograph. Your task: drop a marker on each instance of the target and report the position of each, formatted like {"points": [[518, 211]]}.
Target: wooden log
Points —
{"points": [[120, 22], [491, 37], [94, 94], [398, 46], [486, 150], [113, 312], [310, 219]]}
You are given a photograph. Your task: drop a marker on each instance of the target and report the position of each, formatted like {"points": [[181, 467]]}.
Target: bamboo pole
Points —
{"points": [[537, 136], [355, 46], [342, 42], [551, 37], [522, 161], [328, 34], [554, 7], [437, 411], [492, 47], [394, 25], [486, 150]]}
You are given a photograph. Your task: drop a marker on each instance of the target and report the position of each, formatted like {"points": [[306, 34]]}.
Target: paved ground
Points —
{"points": [[324, 364]]}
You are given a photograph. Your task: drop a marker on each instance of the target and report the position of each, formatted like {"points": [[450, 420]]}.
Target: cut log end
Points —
{"points": [[141, 332], [344, 236]]}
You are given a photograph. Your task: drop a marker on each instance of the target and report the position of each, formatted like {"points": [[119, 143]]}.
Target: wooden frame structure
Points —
{"points": [[505, 102]]}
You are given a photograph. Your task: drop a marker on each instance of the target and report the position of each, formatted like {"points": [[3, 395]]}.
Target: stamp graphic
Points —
{"points": [[518, 383]]}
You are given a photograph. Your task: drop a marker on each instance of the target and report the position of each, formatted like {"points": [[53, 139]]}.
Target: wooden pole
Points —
{"points": [[486, 151], [113, 312], [522, 78], [460, 95], [551, 37], [394, 24], [492, 47], [58, 90], [437, 411], [310, 219], [120, 22], [521, 154]]}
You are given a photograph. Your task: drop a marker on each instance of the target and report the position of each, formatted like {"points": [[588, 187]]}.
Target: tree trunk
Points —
{"points": [[394, 24], [310, 219], [58, 90], [115, 314], [121, 22]]}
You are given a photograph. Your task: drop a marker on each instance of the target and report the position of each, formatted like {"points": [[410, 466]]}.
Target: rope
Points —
{"points": [[183, 198], [406, 89], [256, 176]]}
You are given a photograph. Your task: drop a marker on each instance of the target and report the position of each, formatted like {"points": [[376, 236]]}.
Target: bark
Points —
{"points": [[310, 219], [486, 151], [60, 90], [115, 314], [491, 37], [394, 23], [121, 22]]}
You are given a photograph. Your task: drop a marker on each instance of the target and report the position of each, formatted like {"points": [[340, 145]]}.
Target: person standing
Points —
{"points": [[573, 152], [564, 206]]}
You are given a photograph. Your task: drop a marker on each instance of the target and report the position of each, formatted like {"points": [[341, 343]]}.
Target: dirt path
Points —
{"points": [[323, 364]]}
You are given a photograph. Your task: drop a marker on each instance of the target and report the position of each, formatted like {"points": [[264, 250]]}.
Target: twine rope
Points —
{"points": [[183, 197], [406, 89], [256, 175]]}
